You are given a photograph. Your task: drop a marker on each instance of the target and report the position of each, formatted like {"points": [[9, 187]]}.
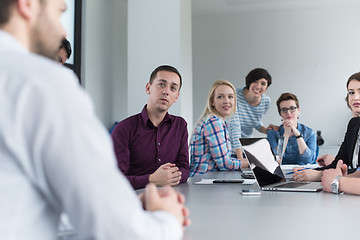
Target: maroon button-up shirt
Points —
{"points": [[141, 148]]}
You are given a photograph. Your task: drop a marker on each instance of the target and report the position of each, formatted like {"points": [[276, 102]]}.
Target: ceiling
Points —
{"points": [[219, 7]]}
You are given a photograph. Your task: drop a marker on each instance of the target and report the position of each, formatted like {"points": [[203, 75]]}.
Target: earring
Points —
{"points": [[297, 117], [282, 119]]}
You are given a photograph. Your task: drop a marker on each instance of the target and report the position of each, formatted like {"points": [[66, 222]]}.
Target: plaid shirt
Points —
{"points": [[210, 147]]}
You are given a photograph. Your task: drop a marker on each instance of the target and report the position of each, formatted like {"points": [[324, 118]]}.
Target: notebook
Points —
{"points": [[268, 172]]}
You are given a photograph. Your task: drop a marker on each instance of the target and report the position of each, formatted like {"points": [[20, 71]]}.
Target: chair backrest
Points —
{"points": [[112, 127]]}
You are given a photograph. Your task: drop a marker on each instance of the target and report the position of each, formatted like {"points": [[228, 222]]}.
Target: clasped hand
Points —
{"points": [[166, 174], [165, 199], [290, 128]]}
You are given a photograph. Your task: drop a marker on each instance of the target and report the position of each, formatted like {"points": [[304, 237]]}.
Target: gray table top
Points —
{"points": [[219, 211]]}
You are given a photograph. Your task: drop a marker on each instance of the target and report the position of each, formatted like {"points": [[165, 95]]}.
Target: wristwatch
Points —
{"points": [[299, 136], [335, 185]]}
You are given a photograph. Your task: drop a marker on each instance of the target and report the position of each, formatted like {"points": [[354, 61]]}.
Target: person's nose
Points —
{"points": [[357, 96], [166, 91]]}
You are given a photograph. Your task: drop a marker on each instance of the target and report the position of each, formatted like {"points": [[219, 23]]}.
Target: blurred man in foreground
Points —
{"points": [[55, 154]]}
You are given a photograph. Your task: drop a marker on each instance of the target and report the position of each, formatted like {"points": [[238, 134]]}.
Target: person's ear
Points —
{"points": [[26, 8], [147, 88]]}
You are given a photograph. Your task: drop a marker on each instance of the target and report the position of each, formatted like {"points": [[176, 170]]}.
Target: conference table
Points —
{"points": [[219, 211]]}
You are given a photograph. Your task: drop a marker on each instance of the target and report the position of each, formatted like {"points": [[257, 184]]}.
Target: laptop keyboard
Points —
{"points": [[292, 184]]}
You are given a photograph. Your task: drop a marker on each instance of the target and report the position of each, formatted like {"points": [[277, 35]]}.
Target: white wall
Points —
{"points": [[123, 42], [119, 60], [67, 19], [309, 52], [159, 32], [103, 56]]}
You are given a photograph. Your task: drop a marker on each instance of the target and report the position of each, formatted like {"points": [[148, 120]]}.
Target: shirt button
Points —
{"points": [[159, 159], [159, 144]]}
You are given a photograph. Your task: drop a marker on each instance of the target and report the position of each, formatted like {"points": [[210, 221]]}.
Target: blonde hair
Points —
{"points": [[209, 108]]}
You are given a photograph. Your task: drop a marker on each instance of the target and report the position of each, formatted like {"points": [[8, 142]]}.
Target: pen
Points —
{"points": [[298, 171]]}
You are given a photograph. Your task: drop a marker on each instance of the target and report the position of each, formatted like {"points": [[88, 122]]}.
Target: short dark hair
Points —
{"points": [[286, 97], [355, 76], [257, 74], [5, 10], [67, 46], [165, 68]]}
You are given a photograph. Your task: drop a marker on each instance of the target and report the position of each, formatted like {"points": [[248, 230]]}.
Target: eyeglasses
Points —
{"points": [[285, 110]]}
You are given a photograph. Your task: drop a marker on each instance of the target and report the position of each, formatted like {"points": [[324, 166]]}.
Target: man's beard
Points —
{"points": [[42, 38], [40, 49]]}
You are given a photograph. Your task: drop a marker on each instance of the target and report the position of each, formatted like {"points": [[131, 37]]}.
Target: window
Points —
{"points": [[71, 20]]}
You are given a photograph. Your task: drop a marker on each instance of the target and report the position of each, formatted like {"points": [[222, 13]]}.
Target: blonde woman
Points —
{"points": [[210, 143]]}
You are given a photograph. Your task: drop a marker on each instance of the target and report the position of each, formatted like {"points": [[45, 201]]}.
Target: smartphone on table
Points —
{"points": [[247, 175], [228, 181]]}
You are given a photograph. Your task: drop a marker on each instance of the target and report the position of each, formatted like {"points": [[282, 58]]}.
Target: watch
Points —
{"points": [[298, 136], [335, 185]]}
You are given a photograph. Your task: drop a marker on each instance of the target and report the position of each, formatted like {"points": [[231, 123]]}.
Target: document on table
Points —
{"points": [[211, 181], [291, 166]]}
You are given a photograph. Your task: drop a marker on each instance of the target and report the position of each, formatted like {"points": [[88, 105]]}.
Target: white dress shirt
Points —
{"points": [[56, 156]]}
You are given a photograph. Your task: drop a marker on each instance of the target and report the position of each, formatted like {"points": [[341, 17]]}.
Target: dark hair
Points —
{"points": [[67, 46], [165, 68], [286, 97], [257, 74], [5, 10], [355, 76]]}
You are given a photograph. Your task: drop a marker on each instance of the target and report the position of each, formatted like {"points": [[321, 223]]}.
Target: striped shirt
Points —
{"points": [[246, 118], [210, 147]]}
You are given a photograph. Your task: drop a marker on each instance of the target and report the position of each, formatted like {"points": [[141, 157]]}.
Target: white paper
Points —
{"points": [[205, 181]]}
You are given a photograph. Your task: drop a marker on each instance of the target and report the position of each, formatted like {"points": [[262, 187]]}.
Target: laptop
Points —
{"points": [[267, 170]]}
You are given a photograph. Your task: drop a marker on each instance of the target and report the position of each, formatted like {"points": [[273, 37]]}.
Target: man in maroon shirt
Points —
{"points": [[152, 146]]}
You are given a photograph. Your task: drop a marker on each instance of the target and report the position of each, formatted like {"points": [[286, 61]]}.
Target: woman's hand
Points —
{"points": [[244, 163], [274, 127], [290, 128], [325, 160], [308, 175]]}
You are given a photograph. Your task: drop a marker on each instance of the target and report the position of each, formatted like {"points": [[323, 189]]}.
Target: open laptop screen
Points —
{"points": [[262, 161]]}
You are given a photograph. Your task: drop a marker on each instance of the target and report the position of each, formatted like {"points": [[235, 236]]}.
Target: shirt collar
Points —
{"points": [[145, 117], [9, 42]]}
